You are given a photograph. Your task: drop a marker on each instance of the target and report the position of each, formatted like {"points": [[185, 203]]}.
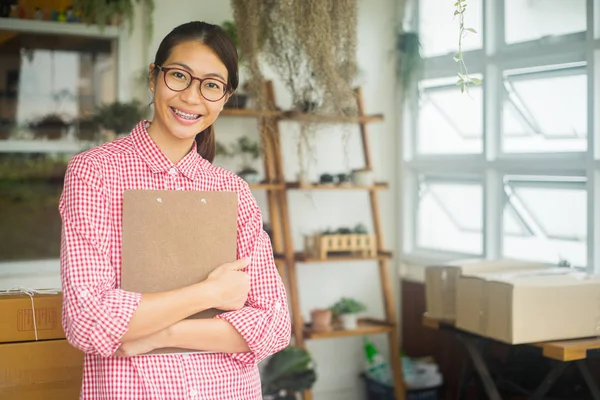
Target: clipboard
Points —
{"points": [[172, 239]]}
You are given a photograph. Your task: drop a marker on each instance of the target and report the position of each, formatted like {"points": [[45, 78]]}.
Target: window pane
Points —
{"points": [[534, 19], [53, 85], [439, 28], [450, 216], [545, 111], [551, 220], [450, 122]]}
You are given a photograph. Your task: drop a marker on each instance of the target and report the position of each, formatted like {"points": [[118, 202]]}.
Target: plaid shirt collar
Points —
{"points": [[156, 159]]}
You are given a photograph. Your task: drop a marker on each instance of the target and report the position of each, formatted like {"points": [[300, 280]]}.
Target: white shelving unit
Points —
{"points": [[58, 28]]}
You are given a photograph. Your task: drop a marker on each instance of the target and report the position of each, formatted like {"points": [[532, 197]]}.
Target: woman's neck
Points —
{"points": [[175, 149]]}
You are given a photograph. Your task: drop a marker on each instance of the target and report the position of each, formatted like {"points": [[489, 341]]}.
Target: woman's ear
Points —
{"points": [[151, 77]]}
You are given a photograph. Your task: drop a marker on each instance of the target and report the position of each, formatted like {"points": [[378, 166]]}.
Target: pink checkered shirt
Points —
{"points": [[96, 311]]}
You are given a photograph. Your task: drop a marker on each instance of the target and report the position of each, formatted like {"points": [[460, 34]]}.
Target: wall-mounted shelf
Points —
{"points": [[57, 28]]}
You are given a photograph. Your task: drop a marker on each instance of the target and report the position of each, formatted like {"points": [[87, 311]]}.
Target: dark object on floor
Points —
{"points": [[379, 391]]}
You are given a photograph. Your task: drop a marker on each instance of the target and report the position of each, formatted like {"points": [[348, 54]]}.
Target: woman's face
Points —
{"points": [[184, 114]]}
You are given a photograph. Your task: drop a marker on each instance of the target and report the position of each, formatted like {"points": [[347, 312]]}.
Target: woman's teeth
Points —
{"points": [[185, 115]]}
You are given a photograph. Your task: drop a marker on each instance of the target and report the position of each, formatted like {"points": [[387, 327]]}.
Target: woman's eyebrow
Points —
{"points": [[186, 67]]}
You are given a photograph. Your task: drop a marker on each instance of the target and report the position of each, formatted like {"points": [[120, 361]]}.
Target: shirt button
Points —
{"points": [[173, 171], [193, 392], [186, 356], [277, 306], [179, 188], [84, 294]]}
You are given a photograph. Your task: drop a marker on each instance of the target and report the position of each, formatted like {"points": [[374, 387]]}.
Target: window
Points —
{"points": [[511, 169], [439, 34], [50, 85], [535, 19], [450, 216], [545, 219], [449, 122]]}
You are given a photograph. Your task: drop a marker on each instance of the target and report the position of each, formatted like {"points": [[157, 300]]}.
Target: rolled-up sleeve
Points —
{"points": [[264, 322], [95, 312]]}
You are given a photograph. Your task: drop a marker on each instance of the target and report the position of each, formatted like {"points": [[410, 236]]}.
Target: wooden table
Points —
{"points": [[566, 352]]}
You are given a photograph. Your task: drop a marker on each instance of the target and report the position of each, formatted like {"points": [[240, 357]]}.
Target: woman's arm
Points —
{"points": [[97, 315], [195, 334]]}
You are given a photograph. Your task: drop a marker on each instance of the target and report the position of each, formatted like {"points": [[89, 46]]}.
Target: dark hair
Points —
{"points": [[217, 39]]}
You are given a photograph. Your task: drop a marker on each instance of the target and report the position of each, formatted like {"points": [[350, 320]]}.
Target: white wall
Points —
{"points": [[338, 360]]}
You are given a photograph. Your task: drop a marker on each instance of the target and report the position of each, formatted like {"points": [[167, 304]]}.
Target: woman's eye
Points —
{"points": [[179, 75]]}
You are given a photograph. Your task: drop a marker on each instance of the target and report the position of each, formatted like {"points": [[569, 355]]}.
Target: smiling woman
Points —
{"points": [[192, 76]]}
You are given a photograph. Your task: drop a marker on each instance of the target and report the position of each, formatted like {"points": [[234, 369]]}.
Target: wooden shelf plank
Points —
{"points": [[245, 112], [267, 186], [320, 186], [296, 116], [301, 257], [365, 327]]}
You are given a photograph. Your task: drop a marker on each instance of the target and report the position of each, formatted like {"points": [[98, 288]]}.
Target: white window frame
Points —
{"points": [[491, 61]]}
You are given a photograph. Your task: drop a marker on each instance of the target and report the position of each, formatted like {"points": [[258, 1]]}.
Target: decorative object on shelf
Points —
{"points": [[113, 12], [363, 177], [327, 179], [249, 151], [320, 320], [51, 126], [118, 118], [286, 373], [346, 309], [356, 242]]}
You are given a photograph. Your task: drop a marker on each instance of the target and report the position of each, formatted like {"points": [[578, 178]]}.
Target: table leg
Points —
{"points": [[549, 380], [480, 367], [587, 376]]}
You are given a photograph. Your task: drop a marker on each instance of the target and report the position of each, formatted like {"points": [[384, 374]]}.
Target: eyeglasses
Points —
{"points": [[178, 80]]}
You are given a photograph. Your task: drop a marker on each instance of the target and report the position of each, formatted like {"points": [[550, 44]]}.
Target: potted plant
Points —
{"points": [[249, 151], [237, 99], [51, 126], [320, 319], [286, 373], [103, 12], [119, 118], [346, 309]]}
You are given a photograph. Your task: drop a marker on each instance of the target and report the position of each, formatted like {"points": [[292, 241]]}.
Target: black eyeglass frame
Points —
{"points": [[193, 78]]}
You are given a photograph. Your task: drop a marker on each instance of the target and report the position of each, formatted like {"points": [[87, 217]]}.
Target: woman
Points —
{"points": [[193, 75]]}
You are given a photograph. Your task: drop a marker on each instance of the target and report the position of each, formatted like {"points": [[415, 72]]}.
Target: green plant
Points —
{"points": [[248, 150], [118, 116], [410, 62], [347, 306], [103, 12], [463, 75], [287, 372]]}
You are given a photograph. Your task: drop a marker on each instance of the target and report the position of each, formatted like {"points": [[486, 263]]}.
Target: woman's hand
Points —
{"points": [[144, 344], [230, 285]]}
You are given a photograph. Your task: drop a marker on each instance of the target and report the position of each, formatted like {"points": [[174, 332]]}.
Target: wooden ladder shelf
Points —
{"points": [[283, 246]]}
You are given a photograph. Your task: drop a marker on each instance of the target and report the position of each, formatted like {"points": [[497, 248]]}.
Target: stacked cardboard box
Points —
{"points": [[528, 307], [48, 368], [441, 282]]}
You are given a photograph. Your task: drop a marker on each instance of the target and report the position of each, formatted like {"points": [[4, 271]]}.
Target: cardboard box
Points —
{"points": [[529, 307], [17, 322], [47, 370], [441, 282]]}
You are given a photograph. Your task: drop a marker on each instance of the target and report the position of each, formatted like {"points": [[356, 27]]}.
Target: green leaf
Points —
{"points": [[462, 88], [459, 82], [471, 30], [456, 12], [458, 57], [463, 77], [475, 81]]}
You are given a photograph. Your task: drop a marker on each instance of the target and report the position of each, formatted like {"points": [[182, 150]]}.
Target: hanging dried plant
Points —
{"points": [[311, 44]]}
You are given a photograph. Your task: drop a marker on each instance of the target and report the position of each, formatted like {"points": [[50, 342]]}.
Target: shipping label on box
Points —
{"points": [[18, 323]]}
